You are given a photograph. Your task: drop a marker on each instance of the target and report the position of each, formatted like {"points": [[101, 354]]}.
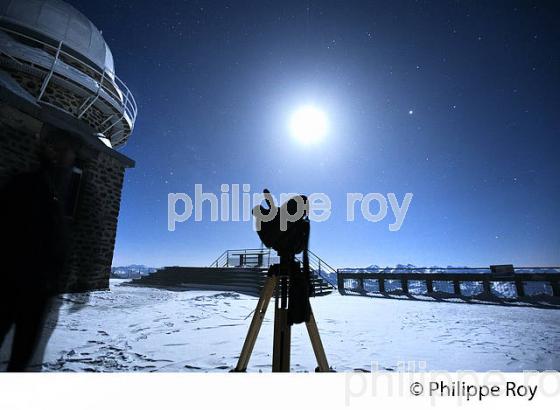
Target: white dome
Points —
{"points": [[58, 21]]}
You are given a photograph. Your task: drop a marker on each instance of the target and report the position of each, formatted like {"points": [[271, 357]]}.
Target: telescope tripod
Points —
{"points": [[277, 285]]}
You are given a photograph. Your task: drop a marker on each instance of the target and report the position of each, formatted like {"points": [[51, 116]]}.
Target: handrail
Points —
{"points": [[250, 250], [322, 261], [317, 265], [218, 259], [115, 88], [446, 276], [476, 270]]}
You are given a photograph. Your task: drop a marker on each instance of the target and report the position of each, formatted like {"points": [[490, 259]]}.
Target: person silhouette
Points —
{"points": [[35, 229]]}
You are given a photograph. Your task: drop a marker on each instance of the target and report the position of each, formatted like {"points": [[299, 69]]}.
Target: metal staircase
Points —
{"points": [[239, 270], [323, 276]]}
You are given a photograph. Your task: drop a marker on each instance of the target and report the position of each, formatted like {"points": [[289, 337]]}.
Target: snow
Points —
{"points": [[132, 328]]}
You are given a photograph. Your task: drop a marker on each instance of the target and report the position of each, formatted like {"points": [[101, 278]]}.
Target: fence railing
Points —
{"points": [[354, 280], [245, 257]]}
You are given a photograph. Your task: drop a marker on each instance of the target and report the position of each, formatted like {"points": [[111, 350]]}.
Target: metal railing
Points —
{"points": [[449, 269], [239, 257], [105, 80], [323, 269], [266, 257], [518, 275]]}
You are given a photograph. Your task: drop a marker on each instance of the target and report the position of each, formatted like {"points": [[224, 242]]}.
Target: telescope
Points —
{"points": [[290, 239], [285, 229]]}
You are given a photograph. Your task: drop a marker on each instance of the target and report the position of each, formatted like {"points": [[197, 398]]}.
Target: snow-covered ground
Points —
{"points": [[145, 329]]}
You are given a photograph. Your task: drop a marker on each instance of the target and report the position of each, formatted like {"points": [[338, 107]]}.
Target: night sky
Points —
{"points": [[455, 102]]}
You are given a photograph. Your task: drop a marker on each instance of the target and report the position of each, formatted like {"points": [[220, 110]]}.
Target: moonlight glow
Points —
{"points": [[308, 125]]}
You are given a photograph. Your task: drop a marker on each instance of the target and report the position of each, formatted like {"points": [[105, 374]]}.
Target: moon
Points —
{"points": [[309, 125]]}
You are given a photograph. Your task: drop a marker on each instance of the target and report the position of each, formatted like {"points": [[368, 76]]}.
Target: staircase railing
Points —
{"points": [[218, 263], [322, 269]]}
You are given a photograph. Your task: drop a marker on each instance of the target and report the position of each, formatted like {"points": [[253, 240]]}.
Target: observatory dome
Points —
{"points": [[52, 54], [57, 21]]}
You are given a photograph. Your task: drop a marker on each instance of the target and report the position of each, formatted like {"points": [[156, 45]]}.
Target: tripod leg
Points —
{"points": [[315, 338], [282, 341], [258, 317], [282, 331]]}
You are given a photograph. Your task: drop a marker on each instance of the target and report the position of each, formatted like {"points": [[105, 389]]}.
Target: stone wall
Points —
{"points": [[93, 228], [95, 222]]}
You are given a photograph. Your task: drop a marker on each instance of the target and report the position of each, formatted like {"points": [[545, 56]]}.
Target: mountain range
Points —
{"points": [[131, 271]]}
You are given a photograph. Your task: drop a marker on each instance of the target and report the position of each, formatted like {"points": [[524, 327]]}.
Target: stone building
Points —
{"points": [[56, 71]]}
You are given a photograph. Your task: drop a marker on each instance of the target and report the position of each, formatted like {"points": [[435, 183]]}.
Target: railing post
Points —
{"points": [[555, 285], [50, 73], [404, 285], [519, 288], [361, 284], [486, 287], [87, 104], [457, 287], [340, 282], [429, 286], [381, 283], [126, 100]]}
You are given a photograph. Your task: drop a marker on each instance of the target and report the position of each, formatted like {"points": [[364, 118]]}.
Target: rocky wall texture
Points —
{"points": [[94, 224]]}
